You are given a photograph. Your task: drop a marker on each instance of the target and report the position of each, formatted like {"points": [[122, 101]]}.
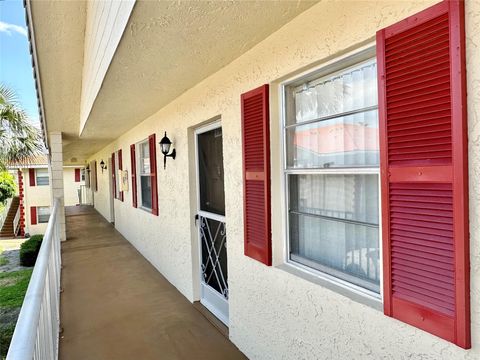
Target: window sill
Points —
{"points": [[145, 209], [356, 294]]}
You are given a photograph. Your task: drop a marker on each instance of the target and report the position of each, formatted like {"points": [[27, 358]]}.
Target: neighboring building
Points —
{"points": [[35, 191], [324, 199]]}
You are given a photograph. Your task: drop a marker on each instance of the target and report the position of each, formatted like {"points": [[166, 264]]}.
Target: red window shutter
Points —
{"points": [[95, 174], [153, 170], [114, 177], [77, 175], [120, 167], [133, 160], [256, 174], [31, 174], [423, 131], [33, 215]]}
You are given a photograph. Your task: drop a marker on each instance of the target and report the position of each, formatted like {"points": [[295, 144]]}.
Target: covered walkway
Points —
{"points": [[116, 305]]}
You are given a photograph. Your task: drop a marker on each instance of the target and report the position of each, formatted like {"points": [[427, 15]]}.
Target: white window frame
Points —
{"points": [[47, 176], [82, 174], [337, 64], [139, 165], [38, 214]]}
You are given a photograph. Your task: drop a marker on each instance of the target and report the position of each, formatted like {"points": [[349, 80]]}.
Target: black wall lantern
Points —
{"points": [[103, 166], [165, 144]]}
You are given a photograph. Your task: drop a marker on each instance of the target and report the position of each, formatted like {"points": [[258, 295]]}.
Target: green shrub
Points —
{"points": [[29, 250], [7, 186]]}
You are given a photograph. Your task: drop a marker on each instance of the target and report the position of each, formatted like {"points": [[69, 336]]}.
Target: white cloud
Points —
{"points": [[9, 28]]}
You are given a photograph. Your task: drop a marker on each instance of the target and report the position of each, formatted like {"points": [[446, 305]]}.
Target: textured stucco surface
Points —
{"points": [[106, 21], [59, 30], [34, 196], [70, 186], [275, 314], [41, 196], [181, 43]]}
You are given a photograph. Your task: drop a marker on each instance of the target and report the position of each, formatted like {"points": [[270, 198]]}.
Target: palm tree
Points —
{"points": [[19, 139]]}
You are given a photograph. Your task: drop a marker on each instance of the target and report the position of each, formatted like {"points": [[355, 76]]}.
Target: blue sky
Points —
{"points": [[15, 61]]}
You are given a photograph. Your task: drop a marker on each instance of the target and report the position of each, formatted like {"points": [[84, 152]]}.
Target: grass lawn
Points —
{"points": [[3, 260], [13, 286]]}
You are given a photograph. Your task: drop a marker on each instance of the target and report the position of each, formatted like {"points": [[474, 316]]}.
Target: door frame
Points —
{"points": [[221, 218]]}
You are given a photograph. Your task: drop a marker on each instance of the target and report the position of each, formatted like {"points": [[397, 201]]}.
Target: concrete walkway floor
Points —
{"points": [[116, 305]]}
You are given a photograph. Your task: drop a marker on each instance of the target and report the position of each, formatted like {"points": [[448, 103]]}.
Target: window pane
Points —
{"points": [[210, 167], [344, 250], [43, 214], [146, 191], [348, 197], [42, 176], [117, 180], [341, 142], [333, 222], [42, 180], [144, 158], [350, 89]]}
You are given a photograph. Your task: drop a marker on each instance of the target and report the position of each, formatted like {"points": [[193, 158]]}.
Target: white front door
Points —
{"points": [[211, 221]]}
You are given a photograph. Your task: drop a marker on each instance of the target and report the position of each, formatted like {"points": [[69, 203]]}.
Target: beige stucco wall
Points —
{"points": [[102, 197], [273, 313], [71, 187], [40, 195]]}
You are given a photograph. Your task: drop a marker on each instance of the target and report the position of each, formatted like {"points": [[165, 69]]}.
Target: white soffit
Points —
{"points": [[104, 77], [59, 30], [106, 21], [170, 46]]}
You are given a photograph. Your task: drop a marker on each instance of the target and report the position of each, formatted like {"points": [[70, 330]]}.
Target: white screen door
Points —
{"points": [[211, 224]]}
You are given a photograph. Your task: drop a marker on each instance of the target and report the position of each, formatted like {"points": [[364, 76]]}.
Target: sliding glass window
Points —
{"points": [[331, 167]]}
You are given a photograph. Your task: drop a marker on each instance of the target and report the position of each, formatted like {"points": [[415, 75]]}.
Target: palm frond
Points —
{"points": [[19, 139]]}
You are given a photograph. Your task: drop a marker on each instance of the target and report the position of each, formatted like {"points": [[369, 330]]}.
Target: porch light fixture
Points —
{"points": [[103, 166], [165, 144]]}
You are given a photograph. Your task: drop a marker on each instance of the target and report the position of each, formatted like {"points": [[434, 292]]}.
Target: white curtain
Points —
{"points": [[342, 141], [347, 247], [352, 89], [334, 217]]}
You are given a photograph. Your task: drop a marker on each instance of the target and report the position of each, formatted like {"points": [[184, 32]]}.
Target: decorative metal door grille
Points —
{"points": [[214, 255]]}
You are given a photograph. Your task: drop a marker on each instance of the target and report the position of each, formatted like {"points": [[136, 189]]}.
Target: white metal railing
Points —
{"points": [[16, 220], [4, 213], [37, 330], [85, 195]]}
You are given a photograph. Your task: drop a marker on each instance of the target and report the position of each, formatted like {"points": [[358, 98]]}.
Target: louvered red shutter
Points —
{"points": [[77, 175], [256, 174], [153, 172], [133, 161], [31, 175], [95, 174], [120, 167], [33, 215], [423, 134], [114, 177]]}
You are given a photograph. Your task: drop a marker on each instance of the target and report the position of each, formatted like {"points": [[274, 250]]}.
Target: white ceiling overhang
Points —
{"points": [[166, 48]]}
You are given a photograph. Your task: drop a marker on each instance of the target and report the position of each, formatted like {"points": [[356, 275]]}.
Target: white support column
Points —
{"points": [[56, 176]]}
